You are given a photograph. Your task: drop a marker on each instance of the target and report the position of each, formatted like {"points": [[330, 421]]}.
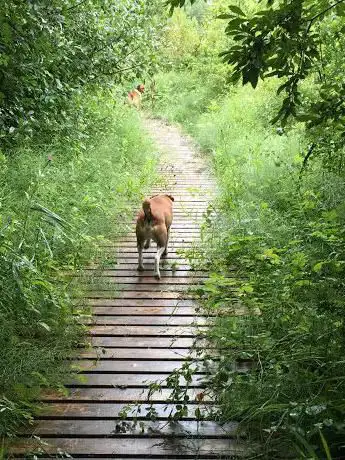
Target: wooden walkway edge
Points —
{"points": [[141, 330]]}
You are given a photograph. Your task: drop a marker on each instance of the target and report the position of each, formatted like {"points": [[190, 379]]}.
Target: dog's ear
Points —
{"points": [[171, 197]]}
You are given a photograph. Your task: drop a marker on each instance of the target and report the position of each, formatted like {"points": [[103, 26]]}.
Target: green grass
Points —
{"points": [[58, 200], [283, 238]]}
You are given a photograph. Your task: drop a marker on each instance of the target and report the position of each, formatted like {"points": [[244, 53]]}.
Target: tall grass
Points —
{"points": [[58, 200], [276, 247]]}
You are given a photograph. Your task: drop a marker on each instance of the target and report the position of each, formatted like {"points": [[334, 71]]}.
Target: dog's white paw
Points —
{"points": [[157, 276]]}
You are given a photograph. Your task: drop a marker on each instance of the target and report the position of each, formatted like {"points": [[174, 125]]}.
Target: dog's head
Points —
{"points": [[141, 88]]}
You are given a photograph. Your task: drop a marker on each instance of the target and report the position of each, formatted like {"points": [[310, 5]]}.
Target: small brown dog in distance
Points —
{"points": [[134, 96], [154, 223]]}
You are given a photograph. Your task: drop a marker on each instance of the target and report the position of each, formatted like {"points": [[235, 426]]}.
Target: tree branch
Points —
{"points": [[306, 158], [76, 5], [311, 20]]}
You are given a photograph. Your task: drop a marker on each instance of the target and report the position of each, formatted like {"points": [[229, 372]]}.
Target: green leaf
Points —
{"points": [[325, 446], [45, 326], [237, 10], [251, 76]]}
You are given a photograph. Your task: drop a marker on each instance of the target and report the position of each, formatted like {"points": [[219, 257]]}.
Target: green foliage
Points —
{"points": [[51, 50], [56, 205], [285, 40], [284, 243], [72, 162], [275, 250], [299, 41]]}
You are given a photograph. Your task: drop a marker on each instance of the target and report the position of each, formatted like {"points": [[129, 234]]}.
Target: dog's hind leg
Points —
{"points": [[160, 251], [140, 258], [165, 253], [147, 243]]}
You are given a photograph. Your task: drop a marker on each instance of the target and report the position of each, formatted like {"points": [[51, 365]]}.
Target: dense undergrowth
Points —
{"points": [[58, 201], [275, 246]]}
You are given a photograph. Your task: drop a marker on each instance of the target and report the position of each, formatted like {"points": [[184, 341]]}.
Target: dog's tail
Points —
{"points": [[147, 209]]}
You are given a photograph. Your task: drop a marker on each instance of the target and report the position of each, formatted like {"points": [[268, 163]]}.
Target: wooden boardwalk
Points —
{"points": [[140, 333]]}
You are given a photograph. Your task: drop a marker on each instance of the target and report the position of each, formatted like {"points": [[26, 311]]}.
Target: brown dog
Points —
{"points": [[154, 223], [134, 96]]}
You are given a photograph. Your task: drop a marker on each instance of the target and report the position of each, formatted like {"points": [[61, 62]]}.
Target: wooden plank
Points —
{"points": [[174, 237], [108, 429], [184, 457], [135, 302], [142, 342], [149, 311], [128, 380], [170, 258], [135, 295], [104, 410], [130, 366], [146, 331], [123, 276], [171, 314], [147, 280], [147, 288], [138, 353], [122, 265], [173, 249], [138, 281], [195, 240], [124, 395], [174, 231], [131, 320], [159, 447]]}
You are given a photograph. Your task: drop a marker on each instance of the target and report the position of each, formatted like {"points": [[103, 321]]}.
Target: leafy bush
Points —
{"points": [[56, 204], [283, 240], [275, 248]]}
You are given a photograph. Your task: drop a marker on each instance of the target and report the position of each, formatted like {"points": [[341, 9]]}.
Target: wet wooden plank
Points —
{"points": [[123, 275], [171, 258], [125, 395], [144, 279], [138, 353], [148, 342], [124, 265], [174, 238], [183, 244], [159, 447], [151, 310], [145, 303], [104, 410], [132, 249], [140, 302], [109, 428], [130, 366], [154, 320], [155, 331], [128, 380], [144, 287], [129, 294]]}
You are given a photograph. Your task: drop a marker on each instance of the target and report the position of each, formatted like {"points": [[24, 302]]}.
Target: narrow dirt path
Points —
{"points": [[141, 333]]}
